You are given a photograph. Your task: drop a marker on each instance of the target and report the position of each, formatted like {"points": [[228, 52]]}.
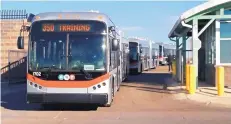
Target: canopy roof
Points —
{"points": [[194, 11]]}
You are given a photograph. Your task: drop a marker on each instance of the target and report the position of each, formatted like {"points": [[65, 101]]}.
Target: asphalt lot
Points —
{"points": [[141, 99]]}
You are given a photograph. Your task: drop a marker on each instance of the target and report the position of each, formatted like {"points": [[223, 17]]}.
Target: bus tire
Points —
{"points": [[118, 89], [141, 69], [126, 79]]}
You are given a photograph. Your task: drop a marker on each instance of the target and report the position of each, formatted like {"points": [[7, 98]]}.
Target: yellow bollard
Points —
{"points": [[187, 71], [174, 68], [220, 80], [192, 81]]}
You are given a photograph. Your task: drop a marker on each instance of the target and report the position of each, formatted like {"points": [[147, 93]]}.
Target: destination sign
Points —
{"points": [[133, 44], [66, 28]]}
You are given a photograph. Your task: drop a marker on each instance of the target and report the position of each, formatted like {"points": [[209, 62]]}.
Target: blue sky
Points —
{"points": [[150, 19]]}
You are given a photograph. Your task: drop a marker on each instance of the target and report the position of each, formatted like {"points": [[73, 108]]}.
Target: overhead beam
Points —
{"points": [[177, 34], [215, 17], [206, 26], [210, 17], [213, 9]]}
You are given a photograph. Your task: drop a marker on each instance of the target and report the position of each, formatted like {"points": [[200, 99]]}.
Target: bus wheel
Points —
{"points": [[118, 88], [141, 69], [126, 79]]}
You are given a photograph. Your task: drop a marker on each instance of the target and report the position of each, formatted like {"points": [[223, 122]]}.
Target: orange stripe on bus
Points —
{"points": [[67, 84]]}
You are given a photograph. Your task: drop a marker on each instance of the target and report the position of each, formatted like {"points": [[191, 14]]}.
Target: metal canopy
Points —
{"points": [[184, 23]]}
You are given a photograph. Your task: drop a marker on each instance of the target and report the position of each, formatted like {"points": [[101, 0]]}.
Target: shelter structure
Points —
{"points": [[207, 30]]}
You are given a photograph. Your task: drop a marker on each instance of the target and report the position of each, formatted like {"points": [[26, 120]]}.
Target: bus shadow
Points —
{"points": [[157, 89], [150, 78], [153, 82], [17, 101]]}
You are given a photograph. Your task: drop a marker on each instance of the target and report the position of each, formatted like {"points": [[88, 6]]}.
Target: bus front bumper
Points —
{"points": [[68, 98]]}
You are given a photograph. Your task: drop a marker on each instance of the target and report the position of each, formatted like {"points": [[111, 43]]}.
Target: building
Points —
{"points": [[208, 27]]}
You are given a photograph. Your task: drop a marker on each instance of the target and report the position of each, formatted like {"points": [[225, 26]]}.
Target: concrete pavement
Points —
{"points": [[208, 96], [205, 94]]}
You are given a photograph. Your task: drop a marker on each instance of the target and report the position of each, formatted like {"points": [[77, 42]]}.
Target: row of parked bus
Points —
{"points": [[79, 57], [145, 54]]}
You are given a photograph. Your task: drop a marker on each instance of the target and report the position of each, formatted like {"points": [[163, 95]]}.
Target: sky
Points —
{"points": [[149, 19]]}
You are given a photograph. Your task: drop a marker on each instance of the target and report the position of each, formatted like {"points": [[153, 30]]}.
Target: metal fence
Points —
{"points": [[16, 69], [13, 14], [17, 65]]}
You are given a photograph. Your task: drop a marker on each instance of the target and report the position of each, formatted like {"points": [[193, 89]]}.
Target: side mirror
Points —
{"points": [[30, 17], [112, 28], [141, 50], [20, 42], [115, 44]]}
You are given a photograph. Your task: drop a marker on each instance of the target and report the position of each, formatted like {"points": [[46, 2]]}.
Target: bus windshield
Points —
{"points": [[133, 52], [161, 51], [67, 51], [87, 50]]}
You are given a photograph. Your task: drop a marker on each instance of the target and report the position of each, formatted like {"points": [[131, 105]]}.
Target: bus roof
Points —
{"points": [[145, 43], [155, 46], [133, 40], [73, 16]]}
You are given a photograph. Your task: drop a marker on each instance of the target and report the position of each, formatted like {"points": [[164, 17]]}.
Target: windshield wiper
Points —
{"points": [[87, 75], [49, 70], [49, 67]]}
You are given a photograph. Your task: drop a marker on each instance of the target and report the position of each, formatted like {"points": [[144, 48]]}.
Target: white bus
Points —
{"points": [[166, 49], [154, 55], [135, 60], [146, 54], [73, 57], [162, 55], [124, 58], [149, 55]]}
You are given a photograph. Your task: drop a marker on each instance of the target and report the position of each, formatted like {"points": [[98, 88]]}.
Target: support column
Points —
{"points": [[178, 61], [184, 58], [196, 46]]}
